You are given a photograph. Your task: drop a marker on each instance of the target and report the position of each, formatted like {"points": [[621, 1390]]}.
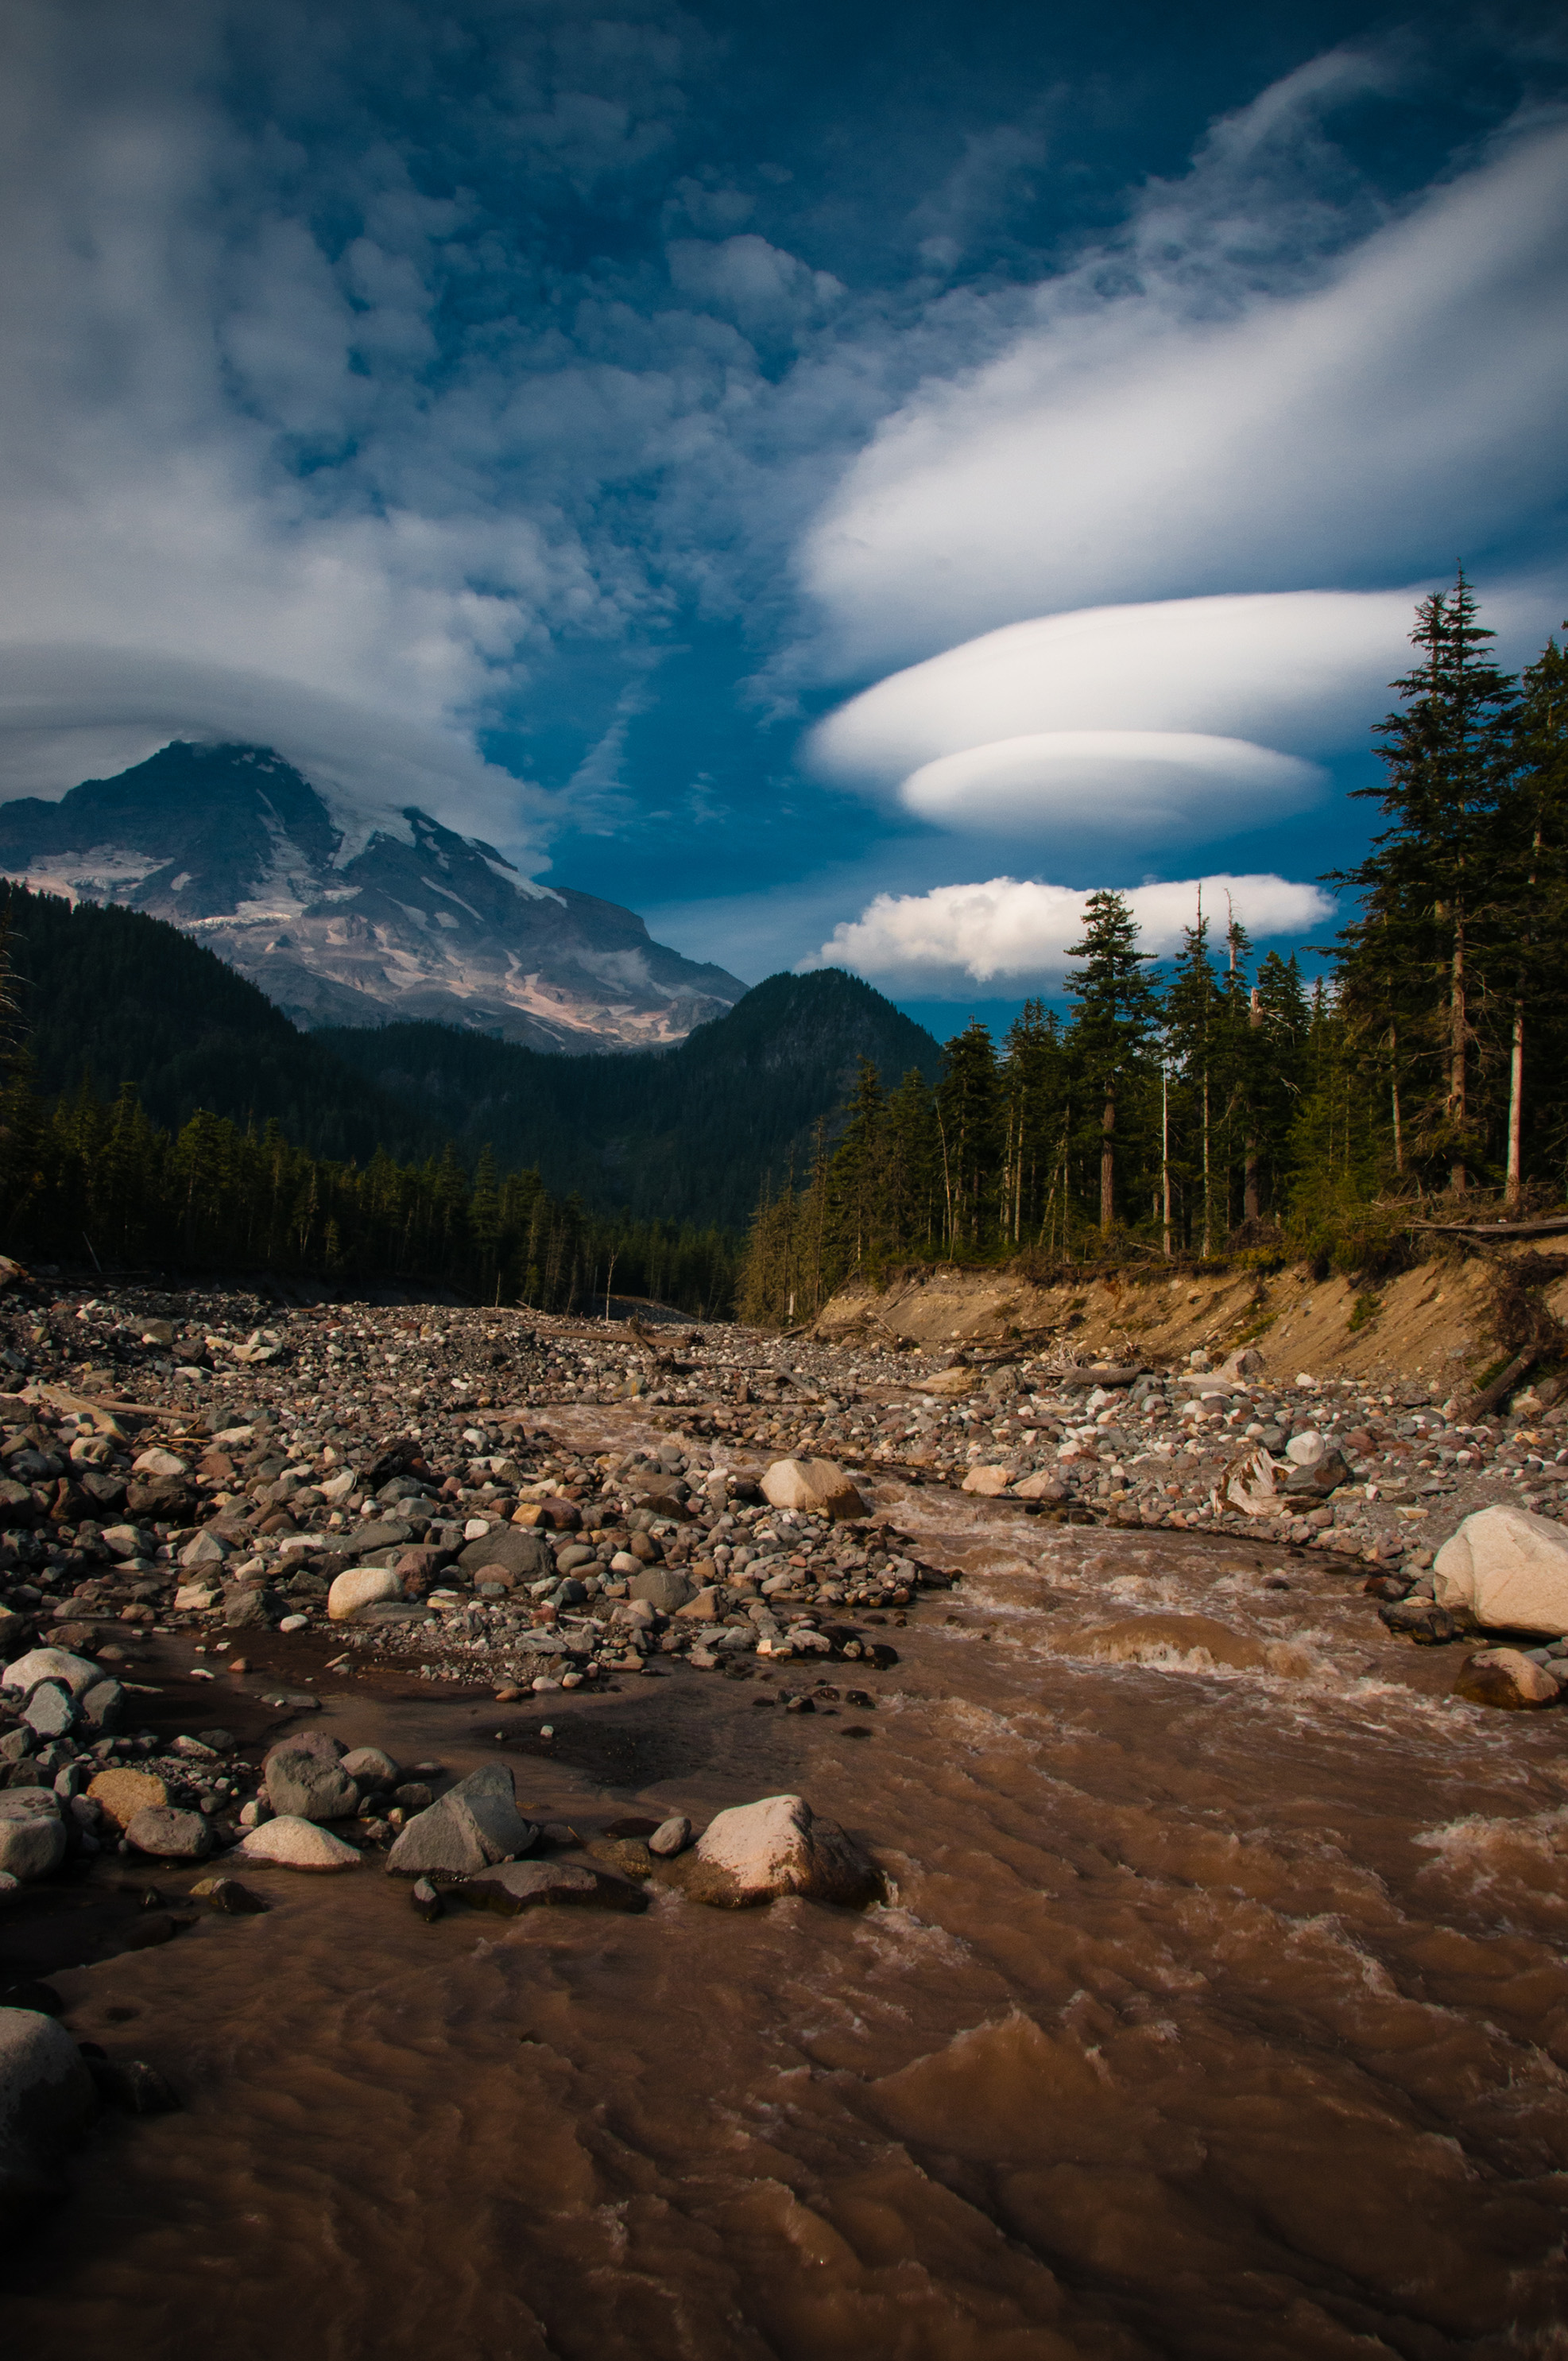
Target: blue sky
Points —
{"points": [[844, 483]]}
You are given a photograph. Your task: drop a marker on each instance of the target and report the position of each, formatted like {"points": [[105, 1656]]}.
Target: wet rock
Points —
{"points": [[628, 1856], [194, 1598], [1421, 1619], [368, 1586], [77, 1674], [755, 1852], [168, 1834], [817, 1486], [121, 1794], [251, 1608], [32, 1834], [368, 1767], [514, 1886], [428, 1904], [989, 1482], [1506, 1677], [46, 2099], [301, 1785], [132, 2085], [228, 1894], [476, 1824], [1507, 1568], [670, 1837], [290, 1843]]}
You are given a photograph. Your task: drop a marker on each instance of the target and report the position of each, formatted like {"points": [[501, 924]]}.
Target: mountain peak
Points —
{"points": [[352, 914]]}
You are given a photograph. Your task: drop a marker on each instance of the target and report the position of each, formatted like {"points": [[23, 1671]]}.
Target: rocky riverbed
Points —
{"points": [[1205, 1945]]}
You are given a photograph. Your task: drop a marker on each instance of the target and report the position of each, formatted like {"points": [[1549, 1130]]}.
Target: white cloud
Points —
{"points": [[1162, 427], [759, 285], [1017, 932]]}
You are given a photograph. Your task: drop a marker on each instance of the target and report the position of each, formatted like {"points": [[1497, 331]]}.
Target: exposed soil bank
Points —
{"points": [[1431, 1322]]}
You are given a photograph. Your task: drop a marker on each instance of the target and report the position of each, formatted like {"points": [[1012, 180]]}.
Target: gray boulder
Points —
{"points": [[472, 1826], [754, 1851], [661, 1588], [78, 1673], [103, 1708], [510, 1552], [368, 1767], [168, 1834], [304, 1784], [50, 1711], [32, 1834], [46, 2097]]}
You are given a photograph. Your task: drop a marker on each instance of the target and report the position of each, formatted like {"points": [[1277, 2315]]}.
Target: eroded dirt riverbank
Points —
{"points": [[1219, 2010]]}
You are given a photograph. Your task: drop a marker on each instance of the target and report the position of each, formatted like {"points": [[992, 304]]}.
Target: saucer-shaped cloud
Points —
{"points": [[1381, 420], [1304, 668], [1019, 932], [1161, 782]]}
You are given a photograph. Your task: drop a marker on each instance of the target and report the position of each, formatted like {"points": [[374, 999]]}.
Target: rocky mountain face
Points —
{"points": [[344, 917]]}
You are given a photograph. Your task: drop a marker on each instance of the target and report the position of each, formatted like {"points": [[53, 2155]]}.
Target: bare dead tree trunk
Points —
{"points": [[1208, 1195], [1164, 1151], [1249, 1150], [1458, 1045], [1516, 1072]]}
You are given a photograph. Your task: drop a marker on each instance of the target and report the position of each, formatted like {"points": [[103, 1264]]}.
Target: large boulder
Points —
{"points": [[32, 1834], [754, 1851], [365, 1588], [820, 1486], [1506, 1677], [473, 1826], [989, 1482], [508, 1553], [1508, 1569], [46, 2097], [292, 1843], [304, 1785], [78, 1673], [168, 1834]]}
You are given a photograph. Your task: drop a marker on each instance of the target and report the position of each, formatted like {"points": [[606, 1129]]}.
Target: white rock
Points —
{"points": [[817, 1486], [193, 1598], [205, 1549], [338, 1487], [365, 1588], [1043, 1487], [1509, 1568], [294, 1623], [290, 1843], [988, 1481], [777, 1846], [1306, 1450], [77, 1674], [1249, 1484], [158, 1462], [126, 1541]]}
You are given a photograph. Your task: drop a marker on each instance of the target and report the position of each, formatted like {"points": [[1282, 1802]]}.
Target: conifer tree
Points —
{"points": [[1112, 1025]]}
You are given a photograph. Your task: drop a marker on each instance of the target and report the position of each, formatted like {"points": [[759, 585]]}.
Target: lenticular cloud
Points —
{"points": [[1157, 782]]}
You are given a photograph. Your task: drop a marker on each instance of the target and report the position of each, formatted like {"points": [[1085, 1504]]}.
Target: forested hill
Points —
{"points": [[113, 996], [686, 1134], [689, 1133]]}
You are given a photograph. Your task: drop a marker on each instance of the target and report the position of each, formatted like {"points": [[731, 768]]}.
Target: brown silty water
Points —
{"points": [[1218, 2009]]}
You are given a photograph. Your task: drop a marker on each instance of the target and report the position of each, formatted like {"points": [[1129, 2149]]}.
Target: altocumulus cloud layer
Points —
{"points": [[776, 473]]}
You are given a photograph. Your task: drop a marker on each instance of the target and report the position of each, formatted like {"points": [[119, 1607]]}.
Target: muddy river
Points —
{"points": [[1219, 2008]]}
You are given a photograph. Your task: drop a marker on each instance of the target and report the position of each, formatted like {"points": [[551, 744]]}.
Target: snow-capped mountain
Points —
{"points": [[348, 918]]}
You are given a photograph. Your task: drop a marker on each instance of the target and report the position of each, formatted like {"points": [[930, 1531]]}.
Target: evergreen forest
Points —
{"points": [[1228, 1104]]}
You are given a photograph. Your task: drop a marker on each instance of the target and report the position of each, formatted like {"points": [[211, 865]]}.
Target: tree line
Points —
{"points": [[86, 1181], [1225, 1102]]}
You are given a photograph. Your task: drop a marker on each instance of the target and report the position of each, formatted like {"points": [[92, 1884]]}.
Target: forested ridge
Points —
{"points": [[1224, 1103], [158, 1109]]}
